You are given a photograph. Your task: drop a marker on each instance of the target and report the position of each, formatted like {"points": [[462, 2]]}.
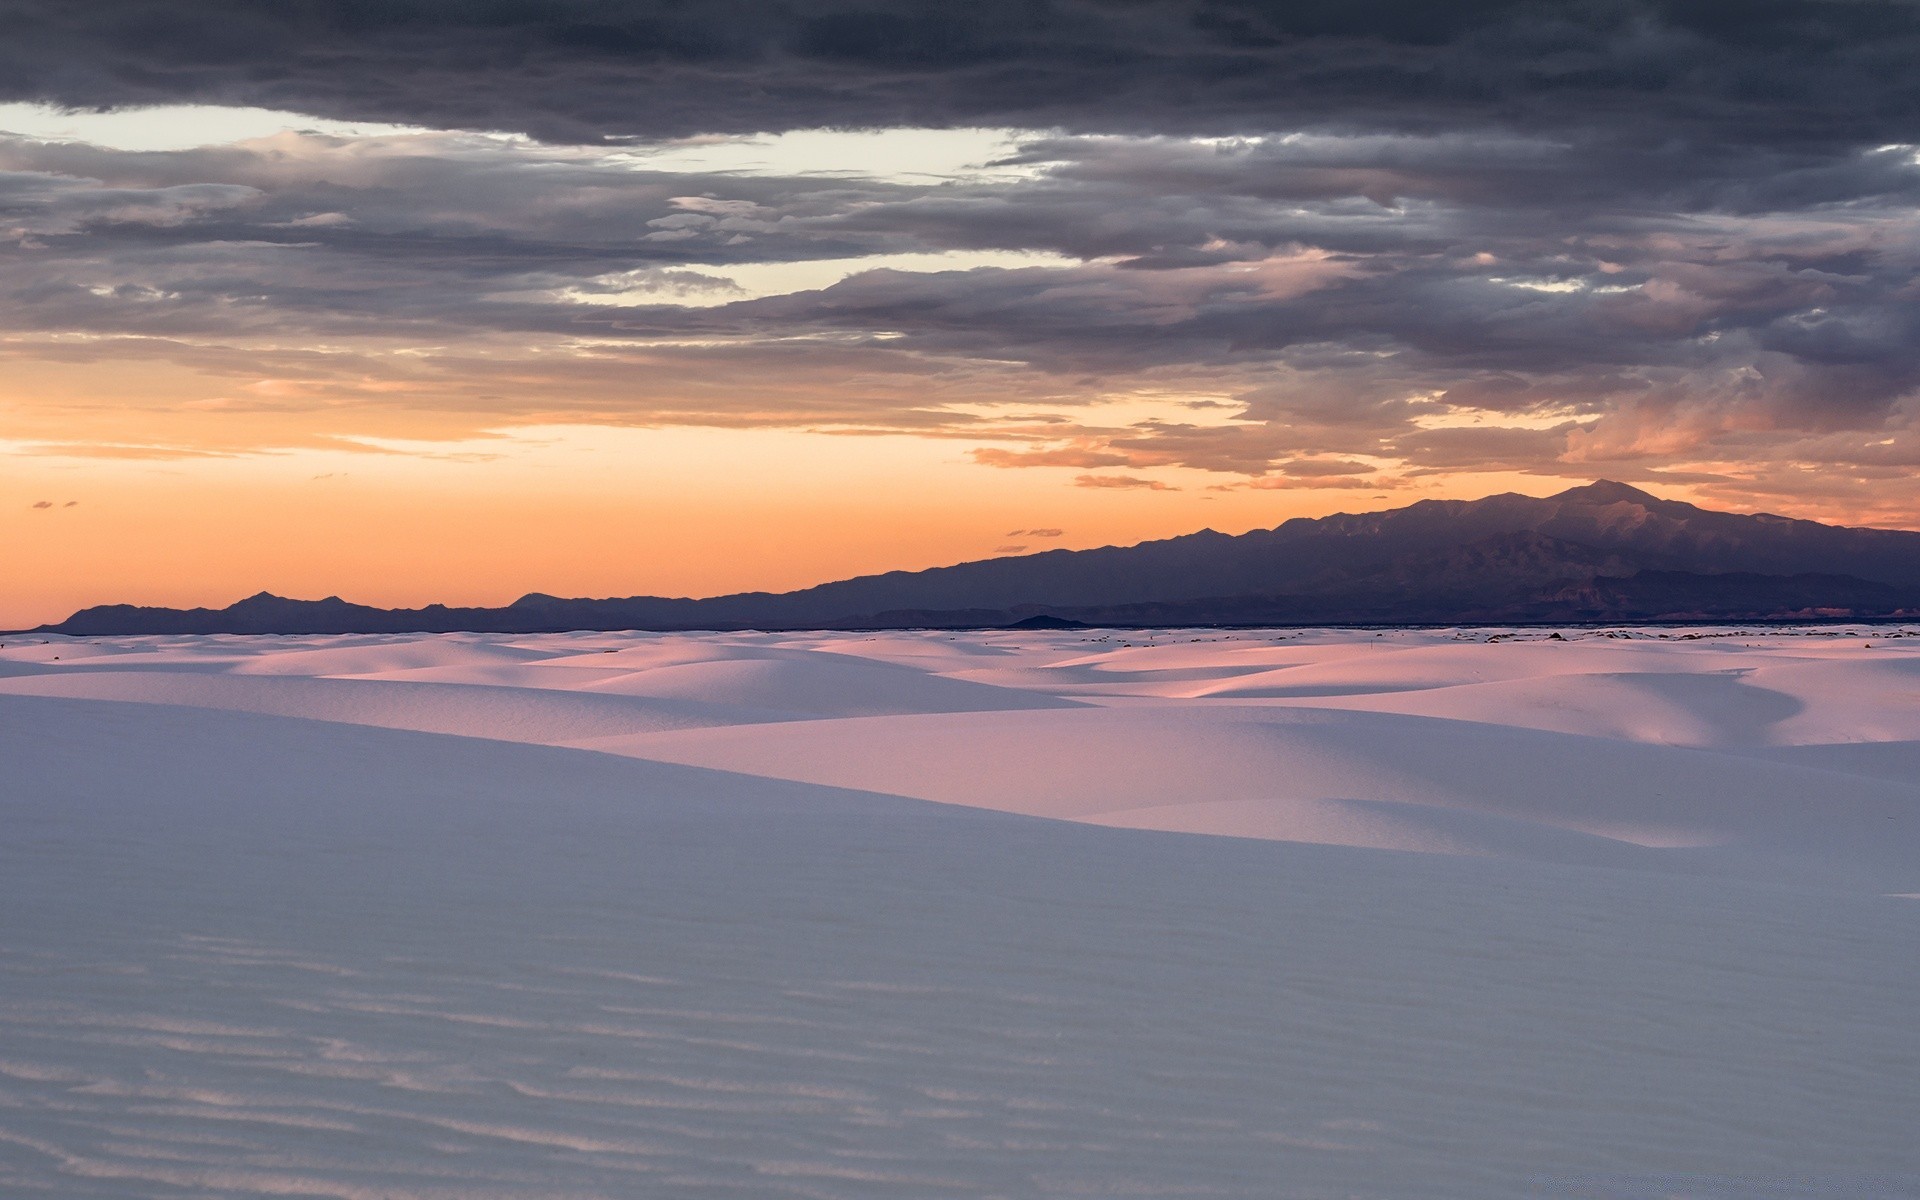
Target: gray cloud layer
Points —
{"points": [[1805, 72], [1636, 234]]}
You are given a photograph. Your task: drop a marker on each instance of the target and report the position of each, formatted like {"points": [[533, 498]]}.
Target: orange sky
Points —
{"points": [[574, 511], [169, 484], [246, 350]]}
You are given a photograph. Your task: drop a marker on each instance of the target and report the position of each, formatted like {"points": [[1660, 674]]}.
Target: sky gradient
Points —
{"points": [[430, 301]]}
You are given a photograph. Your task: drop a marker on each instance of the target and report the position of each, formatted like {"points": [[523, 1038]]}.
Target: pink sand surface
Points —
{"points": [[1456, 913]]}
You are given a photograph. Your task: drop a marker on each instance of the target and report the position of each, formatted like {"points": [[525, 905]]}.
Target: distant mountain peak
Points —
{"points": [[271, 599], [1606, 491]]}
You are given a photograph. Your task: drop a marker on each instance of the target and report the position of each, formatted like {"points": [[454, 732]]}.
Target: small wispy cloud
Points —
{"points": [[1082, 453], [1122, 481]]}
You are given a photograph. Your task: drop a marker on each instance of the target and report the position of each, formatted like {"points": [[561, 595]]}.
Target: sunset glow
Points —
{"points": [[408, 351]]}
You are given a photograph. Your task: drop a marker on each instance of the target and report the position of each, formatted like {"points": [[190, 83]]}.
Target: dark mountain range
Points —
{"points": [[1603, 552]]}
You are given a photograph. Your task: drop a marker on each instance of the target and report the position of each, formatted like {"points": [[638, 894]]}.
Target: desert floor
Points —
{"points": [[1262, 914]]}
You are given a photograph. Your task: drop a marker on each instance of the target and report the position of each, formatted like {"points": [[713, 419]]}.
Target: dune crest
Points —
{"points": [[1688, 749]]}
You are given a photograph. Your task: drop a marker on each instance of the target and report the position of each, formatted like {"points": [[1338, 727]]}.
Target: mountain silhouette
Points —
{"points": [[1603, 552]]}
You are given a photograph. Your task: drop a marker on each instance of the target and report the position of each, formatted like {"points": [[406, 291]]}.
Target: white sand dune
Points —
{"points": [[1391, 667], [1655, 751], [378, 655], [823, 684], [768, 915], [504, 713], [1707, 709], [1349, 778], [1722, 701]]}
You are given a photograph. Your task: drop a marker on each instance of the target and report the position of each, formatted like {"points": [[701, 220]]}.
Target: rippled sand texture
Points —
{"points": [[619, 915]]}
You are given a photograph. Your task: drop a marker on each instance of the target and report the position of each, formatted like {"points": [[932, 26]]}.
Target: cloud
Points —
{"points": [[43, 504], [1122, 481], [1038, 533], [117, 450], [1484, 236], [1311, 468], [1084, 453], [649, 68], [1288, 483], [1254, 269]]}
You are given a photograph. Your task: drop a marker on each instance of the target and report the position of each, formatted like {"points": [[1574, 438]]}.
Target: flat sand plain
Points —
{"points": [[1325, 913]]}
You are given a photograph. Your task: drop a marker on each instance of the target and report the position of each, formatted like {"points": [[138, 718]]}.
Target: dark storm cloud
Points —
{"points": [[1638, 233], [1503, 303], [1786, 71]]}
